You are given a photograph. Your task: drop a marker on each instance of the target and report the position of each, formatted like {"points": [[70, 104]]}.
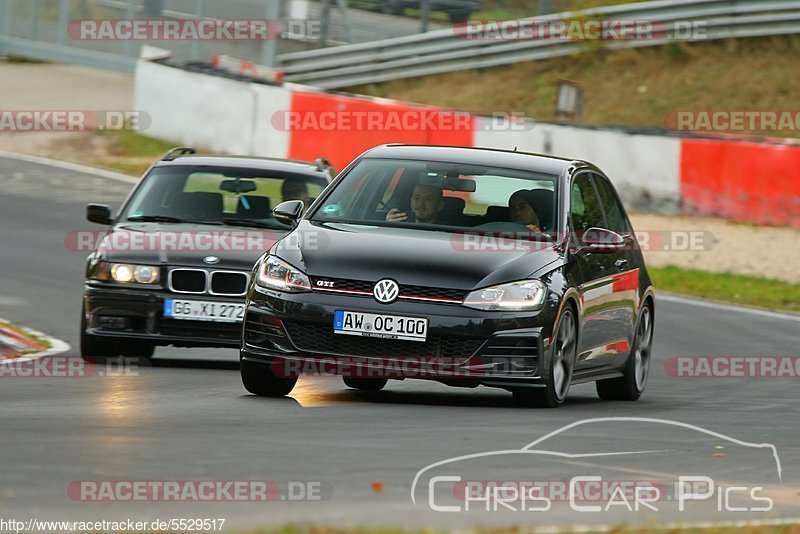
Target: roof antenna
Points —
{"points": [[515, 149]]}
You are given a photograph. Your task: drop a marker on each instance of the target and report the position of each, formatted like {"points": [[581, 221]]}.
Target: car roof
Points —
{"points": [[246, 162], [475, 155]]}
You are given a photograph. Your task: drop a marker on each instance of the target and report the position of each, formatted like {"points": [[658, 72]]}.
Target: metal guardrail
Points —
{"points": [[446, 51]]}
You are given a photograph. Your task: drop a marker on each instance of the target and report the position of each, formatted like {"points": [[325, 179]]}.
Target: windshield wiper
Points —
{"points": [[254, 223], [166, 219]]}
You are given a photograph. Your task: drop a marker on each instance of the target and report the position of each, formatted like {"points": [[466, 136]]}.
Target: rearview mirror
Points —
{"points": [[98, 213], [238, 186], [601, 240], [289, 212], [450, 183]]}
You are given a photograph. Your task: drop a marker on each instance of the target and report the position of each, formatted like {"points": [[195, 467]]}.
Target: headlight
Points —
{"points": [[125, 273], [277, 274], [524, 295]]}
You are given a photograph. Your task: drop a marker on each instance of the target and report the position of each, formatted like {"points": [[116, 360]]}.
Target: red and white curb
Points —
{"points": [[18, 339]]}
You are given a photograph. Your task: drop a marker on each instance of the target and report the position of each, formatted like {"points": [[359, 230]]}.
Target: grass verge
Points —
{"points": [[636, 87], [733, 288], [130, 152]]}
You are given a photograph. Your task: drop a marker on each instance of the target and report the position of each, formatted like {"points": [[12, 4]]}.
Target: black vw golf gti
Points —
{"points": [[467, 266]]}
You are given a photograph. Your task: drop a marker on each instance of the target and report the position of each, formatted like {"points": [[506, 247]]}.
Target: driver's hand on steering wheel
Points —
{"points": [[395, 215]]}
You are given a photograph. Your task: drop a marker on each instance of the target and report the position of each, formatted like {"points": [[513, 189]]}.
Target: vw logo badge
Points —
{"points": [[211, 260], [386, 291]]}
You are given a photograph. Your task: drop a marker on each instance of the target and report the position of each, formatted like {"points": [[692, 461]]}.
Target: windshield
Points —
{"points": [[443, 196], [225, 196]]}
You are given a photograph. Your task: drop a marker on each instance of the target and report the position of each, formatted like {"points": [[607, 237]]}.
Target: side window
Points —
{"points": [[615, 218], [585, 206]]}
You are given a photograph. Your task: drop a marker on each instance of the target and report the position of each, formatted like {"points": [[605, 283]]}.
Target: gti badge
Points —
{"points": [[386, 291], [211, 260]]}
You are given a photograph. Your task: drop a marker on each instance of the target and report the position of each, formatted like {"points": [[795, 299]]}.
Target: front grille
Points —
{"points": [[406, 291], [188, 280], [200, 281], [224, 283], [320, 339]]}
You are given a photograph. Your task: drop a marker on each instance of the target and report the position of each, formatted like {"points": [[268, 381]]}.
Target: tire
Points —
{"points": [[366, 384], [137, 349], [559, 369], [95, 349], [259, 379], [630, 386]]}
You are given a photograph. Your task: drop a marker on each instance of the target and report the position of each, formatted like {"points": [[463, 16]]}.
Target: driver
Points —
{"points": [[426, 203], [294, 189], [520, 210]]}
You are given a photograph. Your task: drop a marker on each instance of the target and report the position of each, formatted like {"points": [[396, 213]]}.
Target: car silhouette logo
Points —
{"points": [[386, 291], [211, 260]]}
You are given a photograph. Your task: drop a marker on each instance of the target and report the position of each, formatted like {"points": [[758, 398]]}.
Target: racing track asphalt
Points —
{"points": [[188, 417]]}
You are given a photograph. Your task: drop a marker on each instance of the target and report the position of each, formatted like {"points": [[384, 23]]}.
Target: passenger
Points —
{"points": [[520, 210], [426, 203], [296, 190]]}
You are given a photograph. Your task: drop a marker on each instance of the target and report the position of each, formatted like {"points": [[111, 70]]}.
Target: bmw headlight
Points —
{"points": [[277, 274], [125, 273], [525, 295]]}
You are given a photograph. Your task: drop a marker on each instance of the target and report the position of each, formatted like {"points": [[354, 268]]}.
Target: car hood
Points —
{"points": [[411, 257], [186, 244]]}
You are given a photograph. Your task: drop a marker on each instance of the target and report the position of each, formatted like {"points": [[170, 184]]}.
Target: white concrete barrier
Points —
{"points": [[210, 112], [644, 168]]}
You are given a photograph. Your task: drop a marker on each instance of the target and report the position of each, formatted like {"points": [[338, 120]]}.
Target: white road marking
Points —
{"points": [[75, 167], [669, 297]]}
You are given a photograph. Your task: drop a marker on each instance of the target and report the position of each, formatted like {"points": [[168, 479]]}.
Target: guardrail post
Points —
{"points": [[425, 16], [5, 17], [269, 49], [200, 13], [33, 24], [130, 13], [63, 22], [325, 23]]}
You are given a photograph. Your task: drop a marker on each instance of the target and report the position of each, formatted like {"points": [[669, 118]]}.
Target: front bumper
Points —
{"points": [[139, 314], [293, 332]]}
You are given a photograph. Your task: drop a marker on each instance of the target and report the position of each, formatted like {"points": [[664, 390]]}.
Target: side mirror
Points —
{"points": [[601, 240], [289, 212], [98, 213]]}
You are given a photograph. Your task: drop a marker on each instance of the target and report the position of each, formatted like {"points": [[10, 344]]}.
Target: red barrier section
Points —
{"points": [[341, 127], [747, 182]]}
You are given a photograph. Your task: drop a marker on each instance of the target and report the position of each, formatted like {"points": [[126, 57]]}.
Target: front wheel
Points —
{"points": [[96, 349], [630, 385], [259, 379], [559, 372]]}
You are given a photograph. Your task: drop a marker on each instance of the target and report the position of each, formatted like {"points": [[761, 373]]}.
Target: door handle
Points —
{"points": [[621, 263]]}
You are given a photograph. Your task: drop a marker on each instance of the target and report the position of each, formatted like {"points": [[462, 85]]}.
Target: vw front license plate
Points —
{"points": [[382, 326]]}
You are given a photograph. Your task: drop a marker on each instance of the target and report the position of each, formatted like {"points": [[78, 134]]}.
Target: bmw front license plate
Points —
{"points": [[383, 326], [202, 310]]}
